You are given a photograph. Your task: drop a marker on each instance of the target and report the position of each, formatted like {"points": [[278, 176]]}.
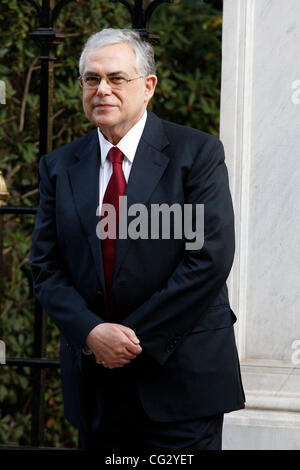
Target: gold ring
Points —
{"points": [[103, 363]]}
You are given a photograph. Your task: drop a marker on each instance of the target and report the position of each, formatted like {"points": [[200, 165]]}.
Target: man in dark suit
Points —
{"points": [[148, 355]]}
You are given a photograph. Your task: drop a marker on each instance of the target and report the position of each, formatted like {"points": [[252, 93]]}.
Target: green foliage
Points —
{"points": [[188, 62]]}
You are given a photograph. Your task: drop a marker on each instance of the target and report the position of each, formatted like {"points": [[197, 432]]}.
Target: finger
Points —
{"points": [[130, 334], [133, 348], [120, 362], [129, 355], [115, 358], [117, 365], [127, 358]]}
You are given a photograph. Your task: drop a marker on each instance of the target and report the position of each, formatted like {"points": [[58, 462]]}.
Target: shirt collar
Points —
{"points": [[128, 144]]}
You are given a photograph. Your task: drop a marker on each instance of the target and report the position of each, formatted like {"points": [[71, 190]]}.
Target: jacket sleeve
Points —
{"points": [[168, 315], [52, 286]]}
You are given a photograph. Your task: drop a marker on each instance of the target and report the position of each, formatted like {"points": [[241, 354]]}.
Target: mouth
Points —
{"points": [[104, 105]]}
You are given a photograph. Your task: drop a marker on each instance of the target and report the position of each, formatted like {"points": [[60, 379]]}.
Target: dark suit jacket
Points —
{"points": [[175, 300]]}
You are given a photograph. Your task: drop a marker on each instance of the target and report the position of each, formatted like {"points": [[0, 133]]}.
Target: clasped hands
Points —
{"points": [[113, 345]]}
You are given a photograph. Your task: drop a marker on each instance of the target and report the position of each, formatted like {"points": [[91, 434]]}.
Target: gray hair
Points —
{"points": [[144, 53]]}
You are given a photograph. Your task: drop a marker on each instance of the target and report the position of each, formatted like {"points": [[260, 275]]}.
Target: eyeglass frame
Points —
{"points": [[107, 79]]}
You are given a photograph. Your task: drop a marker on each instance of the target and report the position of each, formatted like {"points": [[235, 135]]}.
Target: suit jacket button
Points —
{"points": [[99, 293], [171, 345]]}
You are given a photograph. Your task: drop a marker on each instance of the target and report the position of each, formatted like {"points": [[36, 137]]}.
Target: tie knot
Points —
{"points": [[115, 155]]}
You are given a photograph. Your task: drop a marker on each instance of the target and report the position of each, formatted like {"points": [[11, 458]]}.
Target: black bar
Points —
{"points": [[140, 16], [47, 39], [18, 210], [38, 376], [32, 362], [44, 449]]}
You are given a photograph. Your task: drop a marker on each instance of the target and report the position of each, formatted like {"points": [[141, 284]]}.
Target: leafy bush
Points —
{"points": [[188, 61]]}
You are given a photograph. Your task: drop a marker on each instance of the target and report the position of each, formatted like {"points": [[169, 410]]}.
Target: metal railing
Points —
{"points": [[47, 39]]}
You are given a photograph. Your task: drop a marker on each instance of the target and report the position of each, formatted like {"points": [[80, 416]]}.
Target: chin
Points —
{"points": [[104, 119], [100, 122]]}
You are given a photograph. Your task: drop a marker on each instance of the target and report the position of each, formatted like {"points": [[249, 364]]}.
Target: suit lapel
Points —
{"points": [[84, 178], [147, 169]]}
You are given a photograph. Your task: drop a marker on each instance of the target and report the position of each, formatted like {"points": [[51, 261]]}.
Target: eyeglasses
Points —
{"points": [[92, 82]]}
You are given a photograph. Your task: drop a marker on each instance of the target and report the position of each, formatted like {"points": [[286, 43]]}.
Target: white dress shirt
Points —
{"points": [[128, 145]]}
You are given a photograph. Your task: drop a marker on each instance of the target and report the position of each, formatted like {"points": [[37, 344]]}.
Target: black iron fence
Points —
{"points": [[47, 38]]}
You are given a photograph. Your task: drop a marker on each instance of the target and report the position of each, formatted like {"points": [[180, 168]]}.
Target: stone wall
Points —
{"points": [[260, 129]]}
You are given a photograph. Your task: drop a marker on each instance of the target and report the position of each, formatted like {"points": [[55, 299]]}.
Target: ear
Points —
{"points": [[150, 84]]}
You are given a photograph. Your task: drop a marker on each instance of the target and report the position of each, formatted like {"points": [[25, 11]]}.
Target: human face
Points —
{"points": [[115, 111]]}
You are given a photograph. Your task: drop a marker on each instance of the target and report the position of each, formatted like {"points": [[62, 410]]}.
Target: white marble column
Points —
{"points": [[260, 129]]}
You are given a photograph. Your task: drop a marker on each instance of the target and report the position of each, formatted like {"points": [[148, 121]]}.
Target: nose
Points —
{"points": [[103, 88]]}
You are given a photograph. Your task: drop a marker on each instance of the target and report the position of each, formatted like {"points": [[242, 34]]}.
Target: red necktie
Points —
{"points": [[116, 187]]}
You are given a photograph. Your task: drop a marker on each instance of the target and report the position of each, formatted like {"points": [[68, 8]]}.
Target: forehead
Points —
{"points": [[120, 57]]}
